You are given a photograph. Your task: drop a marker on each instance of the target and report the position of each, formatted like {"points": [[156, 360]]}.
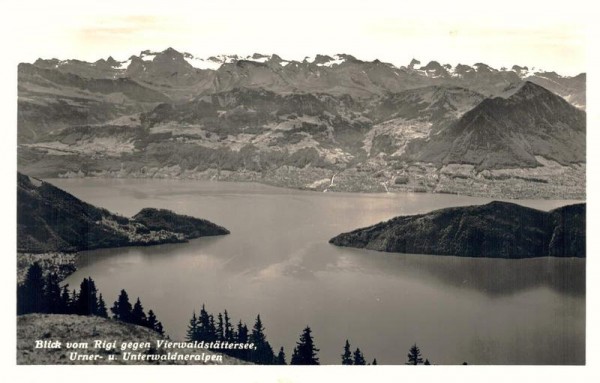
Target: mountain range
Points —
{"points": [[323, 123]]}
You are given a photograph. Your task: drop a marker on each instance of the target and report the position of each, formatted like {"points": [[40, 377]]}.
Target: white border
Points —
{"points": [[10, 372]]}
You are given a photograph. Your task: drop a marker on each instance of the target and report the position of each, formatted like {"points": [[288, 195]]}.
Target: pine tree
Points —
{"points": [[122, 308], [138, 316], [65, 300], [87, 302], [30, 295], [151, 321], [427, 362], [258, 336], [192, 330], [203, 325], [102, 312], [212, 329], [242, 333], [347, 355], [242, 337], [306, 352], [264, 352], [52, 294], [220, 329], [374, 362], [414, 356], [74, 298], [280, 360], [159, 328], [228, 330], [359, 359]]}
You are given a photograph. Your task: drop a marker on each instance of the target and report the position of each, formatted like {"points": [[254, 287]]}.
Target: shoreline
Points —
{"points": [[506, 189]]}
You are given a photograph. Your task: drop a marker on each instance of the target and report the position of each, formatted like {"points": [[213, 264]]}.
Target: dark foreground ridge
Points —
{"points": [[494, 230], [50, 219]]}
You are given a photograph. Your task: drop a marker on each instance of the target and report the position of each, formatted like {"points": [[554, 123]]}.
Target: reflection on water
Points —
{"points": [[277, 262], [489, 276]]}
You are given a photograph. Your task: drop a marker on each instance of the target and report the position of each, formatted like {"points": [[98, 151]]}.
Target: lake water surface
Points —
{"points": [[277, 262]]}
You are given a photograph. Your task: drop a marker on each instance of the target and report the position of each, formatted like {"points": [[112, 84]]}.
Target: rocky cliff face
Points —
{"points": [[494, 230], [52, 220]]}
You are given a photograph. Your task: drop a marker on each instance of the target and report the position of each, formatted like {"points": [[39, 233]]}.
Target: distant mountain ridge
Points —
{"points": [[494, 230], [337, 74], [332, 122]]}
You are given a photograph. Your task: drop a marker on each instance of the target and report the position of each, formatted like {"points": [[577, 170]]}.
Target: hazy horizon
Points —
{"points": [[515, 33]]}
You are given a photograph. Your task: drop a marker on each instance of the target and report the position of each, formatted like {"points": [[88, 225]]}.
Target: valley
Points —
{"points": [[469, 130]]}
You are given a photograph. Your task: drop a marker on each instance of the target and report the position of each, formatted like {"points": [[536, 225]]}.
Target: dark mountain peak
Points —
{"points": [[463, 69], [481, 67], [413, 62], [322, 59], [42, 63], [348, 58], [518, 68], [171, 51], [530, 90], [169, 54], [107, 64], [433, 65]]}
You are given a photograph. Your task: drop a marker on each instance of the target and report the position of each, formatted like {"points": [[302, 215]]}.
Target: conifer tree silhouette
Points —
{"points": [[87, 302], [159, 328], [280, 360], [220, 328], [414, 356], [305, 352], [122, 308], [192, 330], [347, 355], [264, 352], [65, 301], [30, 295], [151, 321], [138, 316], [52, 294], [102, 312], [359, 358], [228, 328]]}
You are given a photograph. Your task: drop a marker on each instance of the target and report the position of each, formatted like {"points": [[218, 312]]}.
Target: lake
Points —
{"points": [[277, 263]]}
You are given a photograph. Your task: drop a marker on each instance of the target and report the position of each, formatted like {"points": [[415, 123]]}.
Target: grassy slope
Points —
{"points": [[75, 328]]}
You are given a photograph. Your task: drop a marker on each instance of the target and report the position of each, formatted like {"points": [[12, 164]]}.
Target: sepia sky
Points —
{"points": [[499, 33]]}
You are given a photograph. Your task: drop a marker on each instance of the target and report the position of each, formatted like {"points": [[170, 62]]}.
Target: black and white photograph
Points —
{"points": [[287, 184]]}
